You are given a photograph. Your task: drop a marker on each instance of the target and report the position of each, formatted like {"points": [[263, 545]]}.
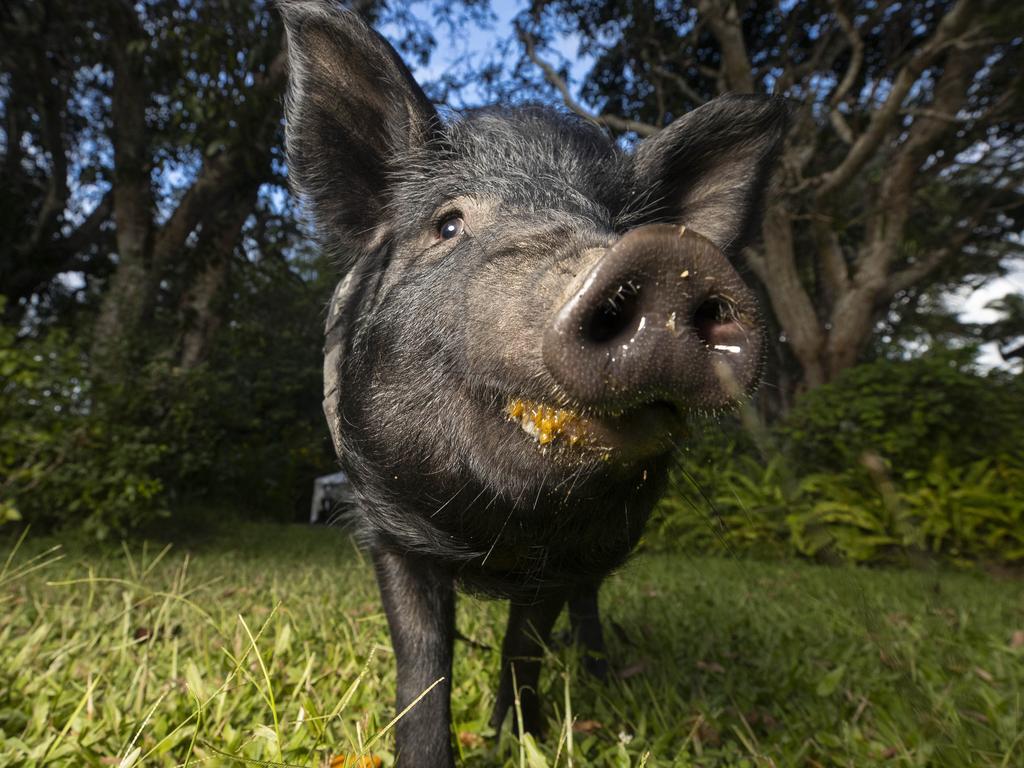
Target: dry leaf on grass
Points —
{"points": [[632, 670], [354, 761], [470, 739]]}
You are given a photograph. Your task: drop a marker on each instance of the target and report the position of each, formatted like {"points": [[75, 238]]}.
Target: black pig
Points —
{"points": [[527, 315]]}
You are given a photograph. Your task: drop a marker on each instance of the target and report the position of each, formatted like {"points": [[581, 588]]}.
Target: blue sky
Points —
{"points": [[477, 43]]}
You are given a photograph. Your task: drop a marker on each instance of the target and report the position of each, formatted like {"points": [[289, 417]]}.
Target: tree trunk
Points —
{"points": [[200, 306], [145, 252], [130, 285], [789, 300], [852, 325]]}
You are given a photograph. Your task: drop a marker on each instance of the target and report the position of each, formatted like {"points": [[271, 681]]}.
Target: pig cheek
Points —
{"points": [[498, 311], [426, 425]]}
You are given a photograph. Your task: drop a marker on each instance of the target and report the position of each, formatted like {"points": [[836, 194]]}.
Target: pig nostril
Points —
{"points": [[713, 313], [614, 315]]}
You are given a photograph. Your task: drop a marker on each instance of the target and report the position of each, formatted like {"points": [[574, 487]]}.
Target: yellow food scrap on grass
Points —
{"points": [[545, 422], [354, 761]]}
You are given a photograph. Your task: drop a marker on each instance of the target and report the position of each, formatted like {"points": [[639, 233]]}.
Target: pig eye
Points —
{"points": [[451, 227]]}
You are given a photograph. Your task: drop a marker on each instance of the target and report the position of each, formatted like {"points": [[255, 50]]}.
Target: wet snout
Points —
{"points": [[661, 316]]}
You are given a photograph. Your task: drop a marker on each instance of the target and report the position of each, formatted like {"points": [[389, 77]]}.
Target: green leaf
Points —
{"points": [[828, 684]]}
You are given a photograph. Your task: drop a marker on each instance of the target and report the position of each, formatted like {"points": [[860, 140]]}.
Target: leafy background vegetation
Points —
{"points": [[894, 462]]}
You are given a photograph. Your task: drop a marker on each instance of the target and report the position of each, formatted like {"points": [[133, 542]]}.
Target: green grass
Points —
{"points": [[269, 645]]}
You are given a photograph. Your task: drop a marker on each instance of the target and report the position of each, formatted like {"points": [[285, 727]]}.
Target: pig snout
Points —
{"points": [[661, 316]]}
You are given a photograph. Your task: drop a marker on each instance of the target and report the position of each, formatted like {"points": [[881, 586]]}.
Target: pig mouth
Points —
{"points": [[640, 432]]}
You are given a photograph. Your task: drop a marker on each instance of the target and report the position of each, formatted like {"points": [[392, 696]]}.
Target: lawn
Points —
{"points": [[268, 646]]}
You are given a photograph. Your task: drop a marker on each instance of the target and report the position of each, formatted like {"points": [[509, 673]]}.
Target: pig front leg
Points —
{"points": [[529, 627], [420, 605], [585, 619]]}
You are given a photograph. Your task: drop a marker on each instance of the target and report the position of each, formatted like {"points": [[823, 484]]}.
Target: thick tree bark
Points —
{"points": [[202, 317], [860, 299], [28, 272], [724, 21], [828, 333], [127, 295], [777, 270]]}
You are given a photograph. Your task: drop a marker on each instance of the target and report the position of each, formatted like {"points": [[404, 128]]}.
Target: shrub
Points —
{"points": [[974, 512], [895, 460], [243, 432], [970, 511], [737, 504], [906, 412], [62, 457]]}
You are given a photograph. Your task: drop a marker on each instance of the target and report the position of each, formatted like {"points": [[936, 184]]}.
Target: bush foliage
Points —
{"points": [[906, 411], [62, 458], [893, 461], [243, 431], [974, 512]]}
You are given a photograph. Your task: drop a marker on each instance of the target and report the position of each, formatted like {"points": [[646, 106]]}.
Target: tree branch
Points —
{"points": [[856, 55], [220, 174], [757, 263], [684, 87], [882, 119], [911, 275], [87, 230], [1008, 353], [836, 117], [217, 243], [724, 21], [834, 270], [39, 266], [56, 197], [551, 75], [789, 298], [922, 268], [895, 196]]}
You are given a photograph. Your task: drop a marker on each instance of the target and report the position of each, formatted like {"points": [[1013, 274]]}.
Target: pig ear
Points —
{"points": [[709, 168], [352, 109]]}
